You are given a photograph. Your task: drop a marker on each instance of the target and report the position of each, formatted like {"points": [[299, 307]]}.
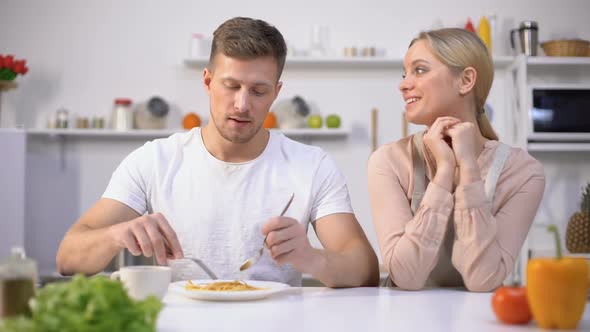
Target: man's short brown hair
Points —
{"points": [[247, 38]]}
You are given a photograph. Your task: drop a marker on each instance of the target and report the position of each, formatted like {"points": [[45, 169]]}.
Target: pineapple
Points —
{"points": [[577, 236]]}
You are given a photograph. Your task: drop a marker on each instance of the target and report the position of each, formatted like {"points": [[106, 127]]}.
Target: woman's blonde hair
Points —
{"points": [[459, 49]]}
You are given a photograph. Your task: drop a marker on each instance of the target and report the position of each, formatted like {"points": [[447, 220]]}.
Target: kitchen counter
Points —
{"points": [[341, 310]]}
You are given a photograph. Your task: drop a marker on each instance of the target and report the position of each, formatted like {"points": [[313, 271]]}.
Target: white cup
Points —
{"points": [[142, 281]]}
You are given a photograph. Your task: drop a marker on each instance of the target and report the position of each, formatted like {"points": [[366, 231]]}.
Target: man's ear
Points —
{"points": [[278, 89], [467, 80], [207, 78]]}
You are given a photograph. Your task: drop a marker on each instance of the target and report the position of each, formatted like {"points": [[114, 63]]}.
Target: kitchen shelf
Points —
{"points": [[503, 61], [558, 147], [309, 132], [102, 132], [345, 62], [142, 133], [322, 62], [557, 61]]}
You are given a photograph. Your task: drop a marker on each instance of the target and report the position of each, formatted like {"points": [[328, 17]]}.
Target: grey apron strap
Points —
{"points": [[500, 157], [419, 172], [420, 183]]}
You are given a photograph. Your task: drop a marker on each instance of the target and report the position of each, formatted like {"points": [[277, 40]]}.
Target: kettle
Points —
{"points": [[528, 34]]}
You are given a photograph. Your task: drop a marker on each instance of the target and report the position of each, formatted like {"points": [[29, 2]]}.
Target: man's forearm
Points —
{"points": [[85, 250], [352, 268]]}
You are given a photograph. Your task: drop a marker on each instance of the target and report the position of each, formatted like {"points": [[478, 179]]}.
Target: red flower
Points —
{"points": [[9, 61], [11, 67], [19, 67]]}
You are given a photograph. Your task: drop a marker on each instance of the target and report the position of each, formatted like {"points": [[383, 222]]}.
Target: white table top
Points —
{"points": [[341, 310]]}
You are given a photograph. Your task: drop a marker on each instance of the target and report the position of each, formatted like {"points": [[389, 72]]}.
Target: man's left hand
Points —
{"points": [[287, 242]]}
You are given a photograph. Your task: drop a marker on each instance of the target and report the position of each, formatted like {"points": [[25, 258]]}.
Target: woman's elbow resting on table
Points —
{"points": [[479, 283], [481, 287], [484, 274], [408, 281], [410, 285]]}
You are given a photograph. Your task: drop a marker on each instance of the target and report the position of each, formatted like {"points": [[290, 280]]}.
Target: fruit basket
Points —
{"points": [[566, 47]]}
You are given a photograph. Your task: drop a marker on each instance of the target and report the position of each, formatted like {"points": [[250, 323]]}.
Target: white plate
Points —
{"points": [[270, 287]]}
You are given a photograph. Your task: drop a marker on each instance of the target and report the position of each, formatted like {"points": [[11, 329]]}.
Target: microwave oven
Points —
{"points": [[559, 113]]}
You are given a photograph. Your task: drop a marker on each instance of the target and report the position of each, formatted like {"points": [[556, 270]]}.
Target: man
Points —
{"points": [[217, 193]]}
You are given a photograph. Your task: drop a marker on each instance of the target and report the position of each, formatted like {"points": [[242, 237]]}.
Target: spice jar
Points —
{"points": [[18, 275], [98, 122], [61, 121]]}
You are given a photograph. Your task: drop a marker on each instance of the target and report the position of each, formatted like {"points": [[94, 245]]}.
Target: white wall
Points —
{"points": [[82, 55]]}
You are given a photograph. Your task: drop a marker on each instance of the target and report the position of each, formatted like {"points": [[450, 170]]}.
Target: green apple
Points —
{"points": [[314, 121], [333, 121]]}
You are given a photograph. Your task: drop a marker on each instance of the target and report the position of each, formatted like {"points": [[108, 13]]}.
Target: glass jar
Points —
{"points": [[122, 117], [98, 122], [61, 118], [18, 275]]}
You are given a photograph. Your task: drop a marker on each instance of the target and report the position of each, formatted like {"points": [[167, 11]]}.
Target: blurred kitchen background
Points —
{"points": [[84, 55]]}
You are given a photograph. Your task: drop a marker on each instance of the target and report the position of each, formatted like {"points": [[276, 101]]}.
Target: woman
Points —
{"points": [[452, 205]]}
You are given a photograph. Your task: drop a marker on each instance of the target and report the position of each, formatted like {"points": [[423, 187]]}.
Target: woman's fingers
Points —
{"points": [[441, 124]]}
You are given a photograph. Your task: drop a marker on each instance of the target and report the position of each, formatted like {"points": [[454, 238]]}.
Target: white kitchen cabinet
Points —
{"points": [[534, 71], [567, 164]]}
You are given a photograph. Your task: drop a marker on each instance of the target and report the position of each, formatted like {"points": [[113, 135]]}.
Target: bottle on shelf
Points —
{"points": [[122, 116], [469, 26], [495, 36], [484, 32]]}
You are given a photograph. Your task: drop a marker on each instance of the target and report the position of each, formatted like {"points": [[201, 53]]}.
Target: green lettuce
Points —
{"points": [[86, 305]]}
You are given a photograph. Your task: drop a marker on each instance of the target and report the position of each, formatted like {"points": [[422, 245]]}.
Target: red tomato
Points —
{"points": [[511, 306]]}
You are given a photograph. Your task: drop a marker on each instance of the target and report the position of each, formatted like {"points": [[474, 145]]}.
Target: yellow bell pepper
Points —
{"points": [[557, 289]]}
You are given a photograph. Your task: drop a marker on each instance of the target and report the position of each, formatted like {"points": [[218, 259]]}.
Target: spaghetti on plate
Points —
{"points": [[221, 286]]}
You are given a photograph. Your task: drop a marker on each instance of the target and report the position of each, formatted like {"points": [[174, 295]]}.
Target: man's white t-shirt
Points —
{"points": [[217, 208]]}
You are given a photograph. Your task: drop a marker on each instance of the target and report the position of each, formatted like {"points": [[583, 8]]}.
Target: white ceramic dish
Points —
{"points": [[270, 287]]}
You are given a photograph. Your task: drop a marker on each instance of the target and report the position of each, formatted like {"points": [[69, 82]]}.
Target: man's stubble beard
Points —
{"points": [[239, 140]]}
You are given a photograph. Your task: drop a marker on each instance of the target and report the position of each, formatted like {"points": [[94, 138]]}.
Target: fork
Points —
{"points": [[197, 261], [252, 260], [181, 267]]}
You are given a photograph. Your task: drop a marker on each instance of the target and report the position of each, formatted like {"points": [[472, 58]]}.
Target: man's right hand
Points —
{"points": [[148, 235]]}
